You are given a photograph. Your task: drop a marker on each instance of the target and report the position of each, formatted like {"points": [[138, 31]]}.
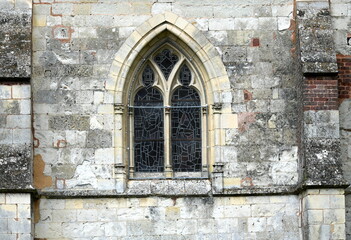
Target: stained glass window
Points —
{"points": [[167, 120], [166, 61], [148, 126], [186, 126]]}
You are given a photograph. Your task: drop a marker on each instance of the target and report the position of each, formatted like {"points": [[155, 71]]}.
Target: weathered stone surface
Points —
{"points": [[15, 42], [322, 163], [15, 166], [99, 139], [69, 122], [316, 37]]}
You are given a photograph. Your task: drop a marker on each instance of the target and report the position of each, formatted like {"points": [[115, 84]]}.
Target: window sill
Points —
{"points": [[167, 187]]}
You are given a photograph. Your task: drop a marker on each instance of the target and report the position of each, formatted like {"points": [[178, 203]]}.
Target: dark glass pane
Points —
{"points": [[185, 75], [186, 130], [148, 131], [148, 76], [166, 61]]}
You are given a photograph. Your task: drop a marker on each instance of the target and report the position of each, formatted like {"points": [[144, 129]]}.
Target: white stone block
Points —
{"points": [[221, 24], [18, 198], [2, 198], [21, 91], [88, 215], [24, 211], [256, 224], [3, 224], [6, 236], [115, 229], [8, 211], [5, 92], [22, 136], [51, 204], [161, 7], [54, 230], [25, 107], [283, 23], [25, 236], [18, 121], [19, 225], [333, 216]]}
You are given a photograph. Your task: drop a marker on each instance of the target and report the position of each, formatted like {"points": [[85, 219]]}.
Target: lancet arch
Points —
{"points": [[198, 54]]}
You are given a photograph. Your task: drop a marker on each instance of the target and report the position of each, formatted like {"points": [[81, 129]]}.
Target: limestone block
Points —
{"points": [[82, 9], [25, 236], [51, 204], [24, 211], [8, 211], [334, 216], [221, 24], [19, 225], [18, 198], [54, 230], [317, 202], [22, 136], [39, 20], [315, 216], [237, 211], [115, 229], [256, 224], [266, 210], [87, 215], [5, 136], [5, 92], [25, 107], [18, 121], [64, 215], [206, 226]]}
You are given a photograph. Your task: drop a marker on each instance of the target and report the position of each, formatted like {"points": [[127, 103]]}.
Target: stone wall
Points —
{"points": [[323, 214], [341, 16], [15, 38], [274, 217], [15, 137], [74, 47], [15, 216]]}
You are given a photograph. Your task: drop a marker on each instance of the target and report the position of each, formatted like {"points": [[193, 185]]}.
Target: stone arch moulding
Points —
{"points": [[217, 85]]}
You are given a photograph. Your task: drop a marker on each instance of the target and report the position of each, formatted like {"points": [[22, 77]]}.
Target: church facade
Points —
{"points": [[173, 119]]}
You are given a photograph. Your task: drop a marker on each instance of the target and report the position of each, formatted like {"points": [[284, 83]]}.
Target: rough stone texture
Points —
{"points": [[74, 45], [270, 148], [165, 218], [316, 37], [15, 38], [15, 166], [341, 22], [15, 137]]}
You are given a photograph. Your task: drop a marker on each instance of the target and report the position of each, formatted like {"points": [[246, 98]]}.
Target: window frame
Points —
{"points": [[167, 89]]}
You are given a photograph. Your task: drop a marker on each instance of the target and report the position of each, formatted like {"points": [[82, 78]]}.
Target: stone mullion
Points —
{"points": [[204, 141], [167, 144]]}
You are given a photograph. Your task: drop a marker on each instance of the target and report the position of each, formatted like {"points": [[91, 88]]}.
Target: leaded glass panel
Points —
{"points": [[186, 130], [166, 61], [148, 127], [185, 76]]}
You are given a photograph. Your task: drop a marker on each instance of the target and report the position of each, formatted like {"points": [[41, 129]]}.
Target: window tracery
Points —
{"points": [[168, 129]]}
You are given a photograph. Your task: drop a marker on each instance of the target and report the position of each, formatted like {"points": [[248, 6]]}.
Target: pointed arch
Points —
{"points": [[171, 29], [182, 32]]}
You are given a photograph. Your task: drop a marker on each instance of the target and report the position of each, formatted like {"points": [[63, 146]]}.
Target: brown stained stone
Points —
{"points": [[40, 180], [247, 95], [245, 119], [36, 210]]}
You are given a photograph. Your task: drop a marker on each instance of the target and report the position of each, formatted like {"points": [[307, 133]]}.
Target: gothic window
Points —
{"points": [[168, 117]]}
